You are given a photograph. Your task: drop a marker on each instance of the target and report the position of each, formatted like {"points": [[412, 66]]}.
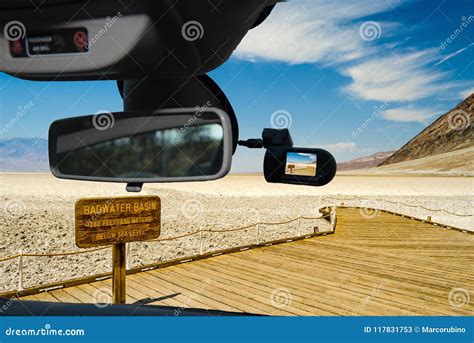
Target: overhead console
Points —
{"points": [[128, 39]]}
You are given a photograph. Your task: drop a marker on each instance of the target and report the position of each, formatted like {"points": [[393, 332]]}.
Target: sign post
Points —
{"points": [[117, 221], [291, 167], [118, 273]]}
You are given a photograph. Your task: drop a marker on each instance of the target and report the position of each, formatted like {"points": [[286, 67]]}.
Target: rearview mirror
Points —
{"points": [[142, 146]]}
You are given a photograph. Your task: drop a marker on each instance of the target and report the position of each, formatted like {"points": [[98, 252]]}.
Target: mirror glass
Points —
{"points": [[300, 164], [141, 147]]}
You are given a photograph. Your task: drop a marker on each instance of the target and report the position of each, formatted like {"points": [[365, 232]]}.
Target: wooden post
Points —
{"points": [[201, 244], [127, 248], [257, 238], [333, 219], [20, 270], [118, 273]]}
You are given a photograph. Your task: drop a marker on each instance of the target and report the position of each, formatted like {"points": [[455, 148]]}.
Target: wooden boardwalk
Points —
{"points": [[373, 265]]}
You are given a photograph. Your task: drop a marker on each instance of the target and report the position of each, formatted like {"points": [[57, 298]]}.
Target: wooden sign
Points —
{"points": [[115, 220], [291, 167]]}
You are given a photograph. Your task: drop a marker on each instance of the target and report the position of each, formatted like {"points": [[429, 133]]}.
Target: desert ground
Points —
{"points": [[300, 169], [453, 163], [37, 215]]}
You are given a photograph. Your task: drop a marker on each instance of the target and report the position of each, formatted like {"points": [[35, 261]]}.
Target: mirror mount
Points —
{"points": [[270, 138], [156, 94], [134, 187]]}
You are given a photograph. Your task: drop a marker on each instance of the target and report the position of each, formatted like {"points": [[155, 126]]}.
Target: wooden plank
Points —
{"points": [[343, 275], [63, 296], [194, 294], [106, 286], [376, 263], [317, 290], [265, 287], [313, 293], [152, 292], [30, 297], [46, 296], [79, 294], [262, 299], [204, 292]]}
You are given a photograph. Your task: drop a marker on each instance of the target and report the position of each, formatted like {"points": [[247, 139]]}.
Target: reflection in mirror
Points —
{"points": [[143, 147], [300, 164]]}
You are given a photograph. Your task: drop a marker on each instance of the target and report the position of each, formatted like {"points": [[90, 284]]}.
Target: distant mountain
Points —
{"points": [[365, 162], [452, 131], [23, 155], [458, 162]]}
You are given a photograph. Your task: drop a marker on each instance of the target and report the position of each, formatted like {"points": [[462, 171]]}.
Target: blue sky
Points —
{"points": [[354, 77], [296, 157]]}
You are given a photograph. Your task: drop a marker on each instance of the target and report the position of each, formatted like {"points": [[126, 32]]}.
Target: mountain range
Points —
{"points": [[24, 155], [446, 147], [365, 162], [452, 131]]}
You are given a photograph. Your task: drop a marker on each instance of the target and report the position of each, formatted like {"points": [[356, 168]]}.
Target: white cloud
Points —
{"points": [[314, 31], [327, 32], [396, 77], [464, 94], [409, 114], [457, 52], [340, 147]]}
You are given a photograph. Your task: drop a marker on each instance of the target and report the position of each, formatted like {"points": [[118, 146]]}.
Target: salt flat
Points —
{"points": [[359, 184], [37, 215]]}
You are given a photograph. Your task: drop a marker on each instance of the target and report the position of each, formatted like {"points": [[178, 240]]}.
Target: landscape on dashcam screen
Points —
{"points": [[395, 109]]}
